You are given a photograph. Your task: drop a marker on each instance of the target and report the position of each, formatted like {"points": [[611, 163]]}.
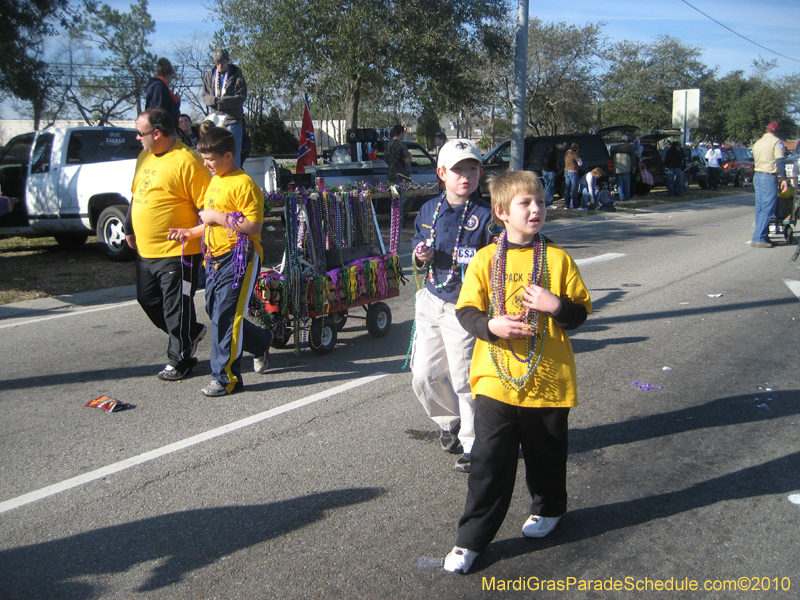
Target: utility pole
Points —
{"points": [[520, 90]]}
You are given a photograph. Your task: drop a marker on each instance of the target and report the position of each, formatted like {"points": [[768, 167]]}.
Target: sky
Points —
{"points": [[774, 24], [770, 23]]}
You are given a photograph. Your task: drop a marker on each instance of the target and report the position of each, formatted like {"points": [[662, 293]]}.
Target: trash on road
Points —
{"points": [[427, 562], [108, 404], [794, 498], [714, 295], [666, 368], [646, 386]]}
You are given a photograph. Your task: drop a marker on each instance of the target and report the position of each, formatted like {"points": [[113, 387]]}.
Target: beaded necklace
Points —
{"points": [[239, 252], [432, 277], [534, 346]]}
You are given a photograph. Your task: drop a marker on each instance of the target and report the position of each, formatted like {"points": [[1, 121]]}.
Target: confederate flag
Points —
{"points": [[307, 153]]}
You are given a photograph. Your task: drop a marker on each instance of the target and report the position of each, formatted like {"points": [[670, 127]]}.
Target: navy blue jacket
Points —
{"points": [[476, 235], [157, 95]]}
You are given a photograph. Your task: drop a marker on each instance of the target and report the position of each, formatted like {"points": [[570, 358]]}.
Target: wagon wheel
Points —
{"points": [[323, 335], [379, 319]]}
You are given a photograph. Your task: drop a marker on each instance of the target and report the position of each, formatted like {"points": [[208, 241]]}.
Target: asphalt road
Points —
{"points": [[323, 479]]}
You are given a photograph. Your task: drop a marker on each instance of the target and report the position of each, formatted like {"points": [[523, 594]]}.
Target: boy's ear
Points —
{"points": [[440, 171], [500, 213], [229, 156]]}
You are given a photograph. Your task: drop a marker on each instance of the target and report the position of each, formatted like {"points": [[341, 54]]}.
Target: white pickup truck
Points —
{"points": [[76, 181]]}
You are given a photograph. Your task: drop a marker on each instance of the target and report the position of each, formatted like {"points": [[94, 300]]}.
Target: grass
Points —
{"points": [[38, 267]]}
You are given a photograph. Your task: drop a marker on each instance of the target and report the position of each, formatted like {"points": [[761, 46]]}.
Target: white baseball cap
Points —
{"points": [[454, 151]]}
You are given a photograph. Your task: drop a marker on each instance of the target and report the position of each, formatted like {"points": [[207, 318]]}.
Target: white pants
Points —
{"points": [[440, 362]]}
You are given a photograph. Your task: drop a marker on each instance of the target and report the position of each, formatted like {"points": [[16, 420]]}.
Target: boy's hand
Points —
{"points": [[180, 235], [423, 253], [510, 327], [212, 217], [541, 299]]}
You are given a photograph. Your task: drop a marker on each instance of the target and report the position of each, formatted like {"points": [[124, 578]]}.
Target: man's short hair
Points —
{"points": [[504, 187], [397, 130], [217, 140], [164, 68], [161, 120]]}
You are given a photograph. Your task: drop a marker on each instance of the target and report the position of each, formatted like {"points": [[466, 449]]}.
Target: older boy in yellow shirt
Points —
{"points": [[232, 218]]}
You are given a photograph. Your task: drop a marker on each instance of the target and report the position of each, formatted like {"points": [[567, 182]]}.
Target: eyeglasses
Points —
{"points": [[140, 134]]}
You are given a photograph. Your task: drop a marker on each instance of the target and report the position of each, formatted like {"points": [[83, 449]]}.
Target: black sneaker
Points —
{"points": [[171, 373], [463, 464], [449, 440]]}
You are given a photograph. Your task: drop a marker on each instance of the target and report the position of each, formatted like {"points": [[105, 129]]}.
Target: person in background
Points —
{"points": [[158, 95], [768, 155], [187, 132], [551, 161], [590, 189], [439, 140], [675, 161], [571, 163], [638, 148], [624, 159], [224, 92], [714, 159], [205, 126]]}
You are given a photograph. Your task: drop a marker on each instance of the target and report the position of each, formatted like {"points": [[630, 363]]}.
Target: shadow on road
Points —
{"points": [[182, 542]]}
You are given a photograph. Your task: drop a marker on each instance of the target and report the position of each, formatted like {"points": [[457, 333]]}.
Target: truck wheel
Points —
{"points": [[111, 234], [71, 240]]}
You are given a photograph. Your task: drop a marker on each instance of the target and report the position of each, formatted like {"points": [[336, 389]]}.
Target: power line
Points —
{"points": [[739, 34]]}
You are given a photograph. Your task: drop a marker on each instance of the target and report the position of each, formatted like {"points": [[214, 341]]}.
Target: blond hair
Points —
{"points": [[504, 187]]}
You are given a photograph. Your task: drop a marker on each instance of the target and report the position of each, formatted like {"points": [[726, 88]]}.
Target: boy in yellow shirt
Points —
{"points": [[232, 218], [519, 298]]}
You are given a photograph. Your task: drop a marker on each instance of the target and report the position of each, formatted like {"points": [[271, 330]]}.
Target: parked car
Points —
{"points": [[738, 164], [792, 163], [593, 153]]}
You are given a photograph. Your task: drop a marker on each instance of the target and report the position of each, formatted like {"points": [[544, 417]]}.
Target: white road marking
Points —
{"points": [[600, 258], [56, 488], [794, 286]]}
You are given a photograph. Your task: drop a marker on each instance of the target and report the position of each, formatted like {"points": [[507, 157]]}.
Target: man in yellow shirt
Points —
{"points": [[768, 157], [168, 190]]}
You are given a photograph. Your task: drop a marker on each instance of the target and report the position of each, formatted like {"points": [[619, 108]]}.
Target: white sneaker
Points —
{"points": [[459, 560], [261, 362], [538, 527]]}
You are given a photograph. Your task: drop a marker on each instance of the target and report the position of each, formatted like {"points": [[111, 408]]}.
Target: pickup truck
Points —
{"points": [[73, 182], [344, 171]]}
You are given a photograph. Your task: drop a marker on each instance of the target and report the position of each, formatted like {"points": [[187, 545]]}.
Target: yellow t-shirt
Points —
{"points": [[235, 192], [553, 383], [167, 191]]}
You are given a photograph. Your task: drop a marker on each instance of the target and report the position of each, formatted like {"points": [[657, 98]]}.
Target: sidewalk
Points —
{"points": [[43, 307]]}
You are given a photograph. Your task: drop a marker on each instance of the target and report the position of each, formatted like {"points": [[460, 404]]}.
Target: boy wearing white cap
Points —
{"points": [[449, 230]]}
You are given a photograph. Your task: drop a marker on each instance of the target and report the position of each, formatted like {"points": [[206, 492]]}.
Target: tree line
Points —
{"points": [[374, 64]]}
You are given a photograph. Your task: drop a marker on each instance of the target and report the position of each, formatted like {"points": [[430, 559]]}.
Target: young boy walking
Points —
{"points": [[231, 225], [519, 298], [449, 230]]}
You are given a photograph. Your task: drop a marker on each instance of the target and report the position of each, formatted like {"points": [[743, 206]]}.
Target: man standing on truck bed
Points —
{"points": [[168, 189], [224, 92]]}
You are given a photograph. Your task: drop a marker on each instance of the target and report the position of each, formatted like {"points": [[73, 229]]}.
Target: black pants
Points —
{"points": [[500, 430], [713, 177], [165, 289]]}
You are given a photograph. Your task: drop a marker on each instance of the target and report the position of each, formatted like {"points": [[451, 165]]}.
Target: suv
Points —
{"points": [[739, 164], [593, 153]]}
